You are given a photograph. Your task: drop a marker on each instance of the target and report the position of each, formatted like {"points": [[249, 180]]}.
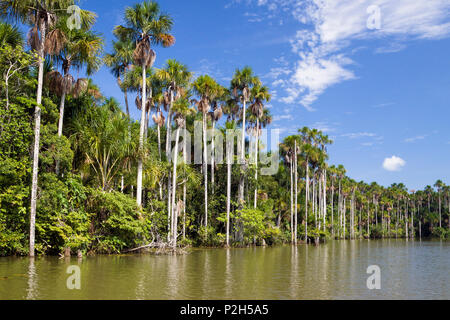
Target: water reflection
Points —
{"points": [[32, 281], [336, 270]]}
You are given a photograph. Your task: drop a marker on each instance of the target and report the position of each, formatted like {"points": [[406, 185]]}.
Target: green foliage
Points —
{"points": [[118, 222], [441, 233], [63, 221]]}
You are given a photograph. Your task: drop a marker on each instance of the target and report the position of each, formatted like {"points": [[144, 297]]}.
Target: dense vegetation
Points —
{"points": [[79, 175]]}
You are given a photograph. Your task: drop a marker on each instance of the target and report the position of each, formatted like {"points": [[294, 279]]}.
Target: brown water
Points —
{"points": [[337, 270]]}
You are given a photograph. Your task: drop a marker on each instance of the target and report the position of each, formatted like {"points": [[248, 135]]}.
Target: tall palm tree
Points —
{"points": [[146, 26], [241, 84], [181, 109], [80, 48], [259, 95], [288, 149], [119, 63], [215, 115], [439, 185], [208, 90], [175, 77], [41, 15]]}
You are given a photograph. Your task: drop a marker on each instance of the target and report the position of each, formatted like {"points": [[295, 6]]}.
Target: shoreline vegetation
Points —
{"points": [[79, 176]]}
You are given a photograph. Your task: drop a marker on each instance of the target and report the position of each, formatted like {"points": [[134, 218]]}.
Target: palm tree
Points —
{"points": [[215, 115], [79, 48], [175, 77], [146, 26], [120, 62], [288, 148], [241, 84], [102, 136], [41, 15], [259, 95], [208, 90], [439, 185], [181, 109], [10, 35]]}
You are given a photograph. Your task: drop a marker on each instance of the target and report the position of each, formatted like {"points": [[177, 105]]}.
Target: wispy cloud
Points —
{"points": [[332, 28], [324, 126], [416, 138], [359, 135], [285, 117], [383, 105]]}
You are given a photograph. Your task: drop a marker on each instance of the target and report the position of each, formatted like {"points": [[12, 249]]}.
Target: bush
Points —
{"points": [[441, 233], [118, 222]]}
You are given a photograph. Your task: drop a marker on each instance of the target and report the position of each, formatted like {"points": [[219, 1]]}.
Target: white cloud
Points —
{"points": [[394, 163], [359, 135], [414, 139], [323, 46], [382, 105], [283, 117], [324, 126]]}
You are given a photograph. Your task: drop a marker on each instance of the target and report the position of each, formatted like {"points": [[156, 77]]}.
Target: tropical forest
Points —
{"points": [[80, 176]]}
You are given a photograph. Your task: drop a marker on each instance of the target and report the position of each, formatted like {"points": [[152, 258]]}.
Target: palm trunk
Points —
{"points": [[125, 93], [141, 138], [184, 185], [440, 212], [256, 163], [306, 200], [174, 189], [292, 201], [205, 172], [37, 133], [213, 155], [168, 156], [61, 122], [296, 194], [324, 210], [242, 180], [332, 206], [228, 194]]}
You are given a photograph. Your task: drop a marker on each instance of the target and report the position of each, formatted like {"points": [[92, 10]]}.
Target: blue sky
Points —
{"points": [[381, 91]]}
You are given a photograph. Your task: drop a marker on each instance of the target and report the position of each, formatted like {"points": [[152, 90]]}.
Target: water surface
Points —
{"points": [[336, 270]]}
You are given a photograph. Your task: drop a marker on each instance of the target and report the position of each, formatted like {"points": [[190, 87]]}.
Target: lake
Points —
{"points": [[336, 270]]}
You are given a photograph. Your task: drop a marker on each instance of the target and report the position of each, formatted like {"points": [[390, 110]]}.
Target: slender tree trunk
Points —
{"points": [[125, 93], [174, 189], [332, 207], [344, 212], [37, 133], [205, 172], [440, 212], [61, 123], [141, 138], [229, 160], [325, 213], [168, 156], [296, 194], [242, 179], [184, 185], [292, 200], [256, 164], [213, 155], [306, 200], [159, 141]]}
